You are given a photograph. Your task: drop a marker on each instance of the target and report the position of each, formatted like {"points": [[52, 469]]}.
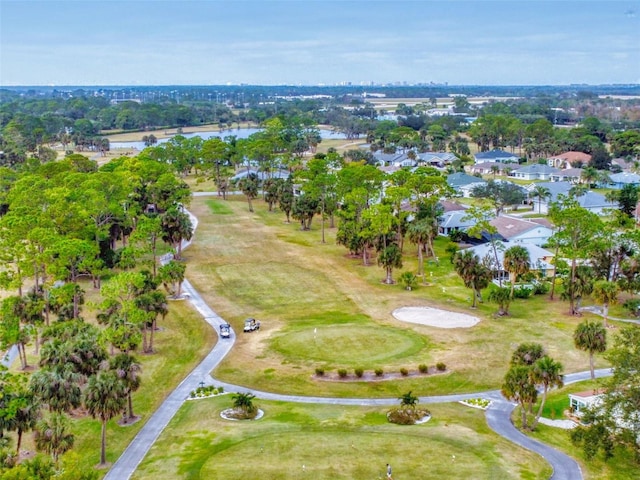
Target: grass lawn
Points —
{"points": [[322, 308], [326, 442]]}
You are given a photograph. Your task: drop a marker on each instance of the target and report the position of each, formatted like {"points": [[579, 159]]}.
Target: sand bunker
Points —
{"points": [[434, 317]]}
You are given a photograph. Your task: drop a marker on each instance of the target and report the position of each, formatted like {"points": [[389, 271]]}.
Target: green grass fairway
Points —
{"points": [[332, 442], [254, 264]]}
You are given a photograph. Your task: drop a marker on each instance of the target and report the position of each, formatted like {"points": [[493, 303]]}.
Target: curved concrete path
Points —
{"points": [[498, 415]]}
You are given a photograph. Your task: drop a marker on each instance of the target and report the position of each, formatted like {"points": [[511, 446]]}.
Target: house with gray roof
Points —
{"points": [[386, 159], [518, 230], [592, 201], [619, 180], [436, 159], [454, 220], [534, 172], [463, 183], [496, 155]]}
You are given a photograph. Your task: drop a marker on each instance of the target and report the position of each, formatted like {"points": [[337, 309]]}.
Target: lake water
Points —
{"points": [[238, 133]]}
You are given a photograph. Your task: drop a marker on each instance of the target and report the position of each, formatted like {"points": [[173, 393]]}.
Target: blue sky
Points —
{"points": [[163, 42]]}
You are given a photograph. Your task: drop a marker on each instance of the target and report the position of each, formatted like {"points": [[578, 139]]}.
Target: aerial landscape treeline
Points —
{"points": [[87, 241]]}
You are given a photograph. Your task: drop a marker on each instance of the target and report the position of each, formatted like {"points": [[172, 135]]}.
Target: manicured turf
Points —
{"points": [[327, 442], [255, 264]]}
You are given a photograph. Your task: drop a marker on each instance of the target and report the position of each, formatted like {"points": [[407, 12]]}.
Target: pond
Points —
{"points": [[238, 133]]}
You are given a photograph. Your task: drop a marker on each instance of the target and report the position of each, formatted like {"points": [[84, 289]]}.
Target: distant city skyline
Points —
{"points": [[307, 42]]}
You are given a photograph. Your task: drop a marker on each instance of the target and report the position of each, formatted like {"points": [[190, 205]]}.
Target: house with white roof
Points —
{"points": [[491, 168], [534, 172], [581, 400], [539, 258], [496, 155], [571, 175]]}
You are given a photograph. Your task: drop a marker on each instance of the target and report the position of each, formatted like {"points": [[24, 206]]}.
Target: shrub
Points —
{"points": [[522, 292], [319, 371], [404, 372], [359, 372], [441, 366], [423, 368], [407, 416], [342, 373], [379, 372], [632, 306], [540, 288]]}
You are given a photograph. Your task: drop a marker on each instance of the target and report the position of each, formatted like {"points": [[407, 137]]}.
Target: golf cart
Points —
{"points": [[225, 330], [251, 324]]}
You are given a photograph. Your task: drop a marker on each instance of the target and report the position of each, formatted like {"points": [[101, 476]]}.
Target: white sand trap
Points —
{"points": [[434, 317]]}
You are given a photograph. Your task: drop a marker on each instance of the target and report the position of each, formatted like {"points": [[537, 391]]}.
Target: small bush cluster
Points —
{"points": [[522, 292], [359, 372], [208, 391], [632, 306], [540, 288]]}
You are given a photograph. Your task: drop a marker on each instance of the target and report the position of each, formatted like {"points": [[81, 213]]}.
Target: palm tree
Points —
{"points": [[173, 274], [590, 337], [59, 389], [52, 435], [419, 233], [541, 193], [546, 372], [176, 227], [105, 397], [128, 370], [516, 262], [244, 402], [502, 296], [519, 388], [473, 273], [606, 293], [249, 186], [408, 400], [589, 176], [155, 304], [390, 258]]}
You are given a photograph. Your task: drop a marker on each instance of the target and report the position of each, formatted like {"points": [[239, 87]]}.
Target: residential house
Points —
{"points": [[262, 175], [519, 230], [463, 183], [534, 172], [499, 156], [623, 164], [619, 180], [452, 221], [539, 258], [436, 159], [491, 168], [386, 159], [571, 175], [566, 159], [581, 400], [592, 201]]}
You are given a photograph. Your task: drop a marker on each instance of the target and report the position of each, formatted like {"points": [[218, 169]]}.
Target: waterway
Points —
{"points": [[238, 133]]}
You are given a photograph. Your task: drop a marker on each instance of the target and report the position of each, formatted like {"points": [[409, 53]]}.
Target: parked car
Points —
{"points": [[251, 324], [225, 330]]}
